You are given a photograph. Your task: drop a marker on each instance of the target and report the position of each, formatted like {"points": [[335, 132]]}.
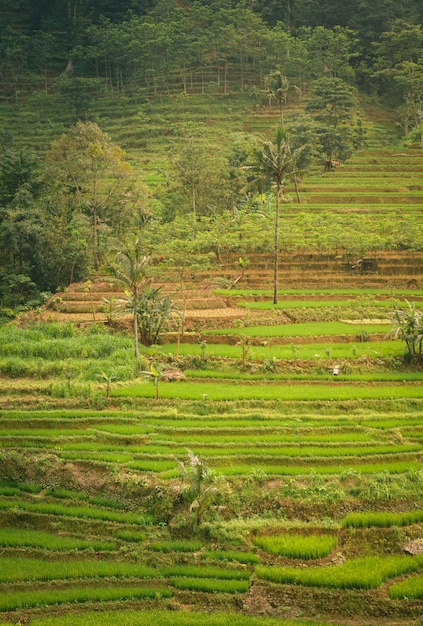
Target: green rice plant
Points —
{"points": [[20, 569], [248, 558], [106, 502], [204, 571], [98, 456], [297, 546], [362, 377], [129, 535], [79, 512], [290, 451], [210, 585], [65, 494], [235, 438], [305, 329], [165, 618], [311, 304], [283, 350], [37, 539], [9, 491], [177, 545], [304, 470], [322, 392], [24, 599], [360, 573], [22, 486], [383, 519], [147, 465], [318, 292], [409, 589]]}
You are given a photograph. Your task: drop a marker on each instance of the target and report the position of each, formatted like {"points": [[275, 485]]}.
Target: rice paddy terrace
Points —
{"points": [[304, 417]]}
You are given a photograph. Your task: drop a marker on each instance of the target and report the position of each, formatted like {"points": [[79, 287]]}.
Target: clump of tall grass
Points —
{"points": [[46, 350], [360, 573], [297, 546], [382, 519]]}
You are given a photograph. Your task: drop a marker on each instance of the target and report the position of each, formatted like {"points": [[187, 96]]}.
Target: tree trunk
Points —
{"points": [[276, 247]]}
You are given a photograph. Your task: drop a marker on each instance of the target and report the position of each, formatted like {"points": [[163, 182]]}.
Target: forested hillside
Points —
{"points": [[160, 120]]}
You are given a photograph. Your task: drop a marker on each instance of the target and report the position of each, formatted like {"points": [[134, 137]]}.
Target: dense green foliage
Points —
{"points": [[68, 190]]}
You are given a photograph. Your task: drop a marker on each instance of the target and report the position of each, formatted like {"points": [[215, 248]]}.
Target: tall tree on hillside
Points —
{"points": [[130, 268], [278, 85], [276, 163], [332, 101]]}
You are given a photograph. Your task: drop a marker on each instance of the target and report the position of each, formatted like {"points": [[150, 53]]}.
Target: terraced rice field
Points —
{"points": [[305, 420]]}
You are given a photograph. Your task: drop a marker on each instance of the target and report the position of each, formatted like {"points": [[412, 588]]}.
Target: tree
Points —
{"points": [[278, 85], [130, 269], [332, 101], [91, 172], [399, 70], [276, 164]]}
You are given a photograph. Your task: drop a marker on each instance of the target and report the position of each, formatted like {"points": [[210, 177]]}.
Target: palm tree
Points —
{"points": [[130, 269], [277, 164], [277, 86]]}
